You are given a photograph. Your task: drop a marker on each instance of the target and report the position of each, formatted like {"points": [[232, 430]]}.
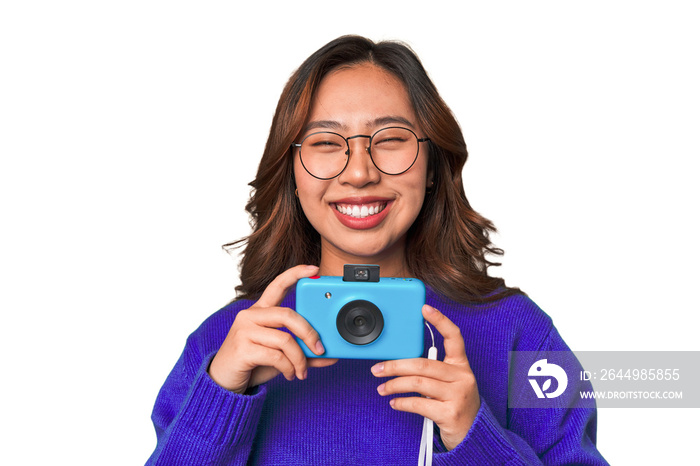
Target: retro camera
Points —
{"points": [[362, 315]]}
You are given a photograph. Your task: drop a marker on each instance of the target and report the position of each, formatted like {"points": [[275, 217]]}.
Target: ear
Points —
{"points": [[430, 179]]}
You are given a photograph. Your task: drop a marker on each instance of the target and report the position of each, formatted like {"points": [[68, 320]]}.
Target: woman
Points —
{"points": [[326, 194]]}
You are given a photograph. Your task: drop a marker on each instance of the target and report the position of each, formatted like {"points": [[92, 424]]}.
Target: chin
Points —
{"points": [[367, 251]]}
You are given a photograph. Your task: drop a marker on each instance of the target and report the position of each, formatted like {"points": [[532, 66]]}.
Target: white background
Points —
{"points": [[129, 131]]}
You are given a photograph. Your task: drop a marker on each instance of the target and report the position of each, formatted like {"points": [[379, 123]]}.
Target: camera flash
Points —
{"points": [[328, 295]]}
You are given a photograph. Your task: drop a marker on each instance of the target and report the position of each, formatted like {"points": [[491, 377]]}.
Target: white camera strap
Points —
{"points": [[425, 456]]}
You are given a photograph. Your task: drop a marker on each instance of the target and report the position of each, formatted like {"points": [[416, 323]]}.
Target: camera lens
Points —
{"points": [[360, 322]]}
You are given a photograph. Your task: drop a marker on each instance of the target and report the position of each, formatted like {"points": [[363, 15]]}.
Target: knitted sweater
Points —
{"points": [[336, 416]]}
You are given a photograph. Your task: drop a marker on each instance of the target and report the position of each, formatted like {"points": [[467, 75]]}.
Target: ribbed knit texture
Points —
{"points": [[336, 416]]}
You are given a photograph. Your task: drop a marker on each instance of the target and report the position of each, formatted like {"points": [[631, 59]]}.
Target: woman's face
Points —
{"points": [[352, 101]]}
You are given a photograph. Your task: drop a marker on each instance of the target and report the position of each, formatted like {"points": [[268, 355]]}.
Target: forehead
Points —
{"points": [[363, 95]]}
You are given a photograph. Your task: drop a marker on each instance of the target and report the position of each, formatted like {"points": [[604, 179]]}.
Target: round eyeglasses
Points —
{"points": [[393, 150]]}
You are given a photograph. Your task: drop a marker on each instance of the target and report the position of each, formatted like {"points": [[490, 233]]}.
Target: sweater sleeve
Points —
{"points": [[198, 422], [551, 436]]}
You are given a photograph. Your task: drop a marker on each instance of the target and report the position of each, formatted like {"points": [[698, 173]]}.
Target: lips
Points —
{"points": [[361, 213]]}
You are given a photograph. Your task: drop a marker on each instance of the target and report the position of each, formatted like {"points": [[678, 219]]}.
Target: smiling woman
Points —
{"points": [[360, 100], [363, 165]]}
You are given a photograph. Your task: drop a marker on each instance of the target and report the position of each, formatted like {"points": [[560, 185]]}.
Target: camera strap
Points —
{"points": [[425, 456]]}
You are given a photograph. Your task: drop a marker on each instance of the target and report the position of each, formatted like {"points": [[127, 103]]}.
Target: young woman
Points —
{"points": [[363, 165]]}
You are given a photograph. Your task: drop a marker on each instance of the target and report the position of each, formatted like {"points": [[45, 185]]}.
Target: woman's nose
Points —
{"points": [[360, 169]]}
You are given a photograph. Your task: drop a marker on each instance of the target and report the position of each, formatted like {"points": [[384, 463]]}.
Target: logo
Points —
{"points": [[542, 368]]}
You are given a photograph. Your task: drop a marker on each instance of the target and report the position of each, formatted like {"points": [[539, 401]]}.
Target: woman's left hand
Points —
{"points": [[450, 387]]}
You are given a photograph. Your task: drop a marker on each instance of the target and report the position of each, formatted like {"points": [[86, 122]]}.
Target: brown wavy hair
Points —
{"points": [[448, 244]]}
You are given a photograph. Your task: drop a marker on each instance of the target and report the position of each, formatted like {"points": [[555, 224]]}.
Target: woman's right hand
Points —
{"points": [[255, 350]]}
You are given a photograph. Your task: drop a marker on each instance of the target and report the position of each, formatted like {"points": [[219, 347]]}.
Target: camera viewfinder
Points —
{"points": [[360, 273]]}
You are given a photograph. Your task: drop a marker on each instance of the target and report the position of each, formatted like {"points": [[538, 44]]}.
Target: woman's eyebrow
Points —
{"points": [[390, 120], [324, 124], [377, 122]]}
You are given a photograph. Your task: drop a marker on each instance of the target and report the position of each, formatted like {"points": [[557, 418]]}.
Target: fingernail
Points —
{"points": [[319, 348], [378, 368], [312, 267], [380, 388], [429, 309], [392, 402]]}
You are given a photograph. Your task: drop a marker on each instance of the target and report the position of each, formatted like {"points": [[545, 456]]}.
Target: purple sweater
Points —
{"points": [[336, 416]]}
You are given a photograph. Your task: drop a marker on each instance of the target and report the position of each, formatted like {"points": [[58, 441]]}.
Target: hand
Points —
{"points": [[450, 384], [255, 350]]}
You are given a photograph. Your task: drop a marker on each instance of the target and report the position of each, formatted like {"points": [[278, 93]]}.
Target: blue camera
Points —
{"points": [[363, 316]]}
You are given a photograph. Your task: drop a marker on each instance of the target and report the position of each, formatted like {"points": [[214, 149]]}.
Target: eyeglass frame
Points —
{"points": [[347, 152]]}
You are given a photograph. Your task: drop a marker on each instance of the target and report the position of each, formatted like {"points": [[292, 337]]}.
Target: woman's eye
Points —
{"points": [[394, 140], [325, 144]]}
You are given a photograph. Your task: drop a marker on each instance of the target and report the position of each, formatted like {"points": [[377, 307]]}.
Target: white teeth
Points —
{"points": [[360, 211]]}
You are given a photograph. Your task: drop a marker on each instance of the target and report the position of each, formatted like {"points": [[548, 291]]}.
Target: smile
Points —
{"points": [[361, 211]]}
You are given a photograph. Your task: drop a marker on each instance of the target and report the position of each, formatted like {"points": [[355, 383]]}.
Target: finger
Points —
{"points": [[277, 317], [262, 374], [264, 356], [258, 365], [414, 384], [277, 289], [284, 342], [321, 362], [415, 367], [422, 406], [454, 343]]}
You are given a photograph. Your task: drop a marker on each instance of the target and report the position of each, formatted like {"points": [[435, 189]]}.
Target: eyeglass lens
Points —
{"points": [[393, 151]]}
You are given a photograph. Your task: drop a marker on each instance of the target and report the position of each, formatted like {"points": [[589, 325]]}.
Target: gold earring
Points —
{"points": [[296, 192]]}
